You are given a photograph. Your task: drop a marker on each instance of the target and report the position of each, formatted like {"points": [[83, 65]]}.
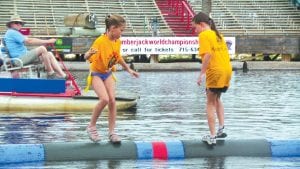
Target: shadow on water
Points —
{"points": [[29, 129], [46, 127], [126, 164], [215, 162]]}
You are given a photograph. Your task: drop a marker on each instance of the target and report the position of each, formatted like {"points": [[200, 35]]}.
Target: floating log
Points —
{"points": [[13, 104], [74, 151]]}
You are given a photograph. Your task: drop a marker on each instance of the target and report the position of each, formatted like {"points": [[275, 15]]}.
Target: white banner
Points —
{"points": [[165, 45]]}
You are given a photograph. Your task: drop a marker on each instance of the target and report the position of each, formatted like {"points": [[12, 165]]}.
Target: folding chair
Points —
{"points": [[15, 65]]}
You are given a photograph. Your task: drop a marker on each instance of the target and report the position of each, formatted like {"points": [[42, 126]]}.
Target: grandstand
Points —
{"points": [[233, 17], [44, 17], [257, 17]]}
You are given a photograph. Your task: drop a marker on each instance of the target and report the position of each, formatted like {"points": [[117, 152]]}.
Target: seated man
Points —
{"points": [[15, 43]]}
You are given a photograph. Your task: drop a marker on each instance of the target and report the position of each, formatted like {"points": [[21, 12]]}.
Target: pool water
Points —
{"points": [[259, 104]]}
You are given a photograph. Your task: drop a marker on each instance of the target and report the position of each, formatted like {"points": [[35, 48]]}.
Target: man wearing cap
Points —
{"points": [[15, 43]]}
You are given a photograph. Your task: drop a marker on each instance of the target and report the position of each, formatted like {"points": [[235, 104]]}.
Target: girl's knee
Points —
{"points": [[112, 101], [104, 100]]}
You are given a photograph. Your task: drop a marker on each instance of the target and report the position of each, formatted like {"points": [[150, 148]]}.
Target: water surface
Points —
{"points": [[259, 104]]}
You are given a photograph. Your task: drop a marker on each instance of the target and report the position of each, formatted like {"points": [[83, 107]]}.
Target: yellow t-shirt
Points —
{"points": [[219, 70], [108, 54]]}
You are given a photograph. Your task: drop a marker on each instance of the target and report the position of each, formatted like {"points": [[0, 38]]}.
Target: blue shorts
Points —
{"points": [[102, 76]]}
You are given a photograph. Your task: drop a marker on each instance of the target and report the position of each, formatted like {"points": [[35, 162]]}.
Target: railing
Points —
{"points": [[186, 9], [175, 5], [182, 9]]}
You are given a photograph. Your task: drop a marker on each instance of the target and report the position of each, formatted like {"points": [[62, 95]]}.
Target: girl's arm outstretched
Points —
{"points": [[127, 68], [89, 53]]}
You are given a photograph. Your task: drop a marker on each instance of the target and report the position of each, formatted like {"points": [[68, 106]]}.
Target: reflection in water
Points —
{"points": [[113, 164], [215, 162], [159, 164], [109, 164], [32, 129]]}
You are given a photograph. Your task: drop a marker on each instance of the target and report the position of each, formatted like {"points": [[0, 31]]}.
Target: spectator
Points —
{"points": [[15, 43]]}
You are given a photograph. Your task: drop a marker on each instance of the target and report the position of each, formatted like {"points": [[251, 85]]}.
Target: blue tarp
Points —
{"points": [[32, 85]]}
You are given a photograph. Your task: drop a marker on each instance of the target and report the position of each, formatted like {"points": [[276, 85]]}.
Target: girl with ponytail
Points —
{"points": [[216, 69]]}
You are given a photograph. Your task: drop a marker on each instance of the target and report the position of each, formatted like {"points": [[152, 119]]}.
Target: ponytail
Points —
{"points": [[202, 17], [214, 28]]}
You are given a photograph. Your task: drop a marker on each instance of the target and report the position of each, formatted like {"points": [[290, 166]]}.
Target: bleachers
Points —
{"points": [[232, 17], [44, 17], [254, 17], [138, 15]]}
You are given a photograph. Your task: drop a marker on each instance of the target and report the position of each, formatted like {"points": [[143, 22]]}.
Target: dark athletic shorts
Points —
{"points": [[218, 90]]}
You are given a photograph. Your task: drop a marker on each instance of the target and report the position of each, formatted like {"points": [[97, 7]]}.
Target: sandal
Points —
{"points": [[93, 134], [114, 138]]}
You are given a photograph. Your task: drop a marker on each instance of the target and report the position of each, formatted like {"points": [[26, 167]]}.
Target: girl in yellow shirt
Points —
{"points": [[217, 70], [103, 55]]}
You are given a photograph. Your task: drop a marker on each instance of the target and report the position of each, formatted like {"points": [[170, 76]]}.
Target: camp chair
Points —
{"points": [[16, 66]]}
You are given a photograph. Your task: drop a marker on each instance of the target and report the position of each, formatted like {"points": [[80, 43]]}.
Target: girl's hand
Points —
{"points": [[200, 78], [133, 73], [91, 51]]}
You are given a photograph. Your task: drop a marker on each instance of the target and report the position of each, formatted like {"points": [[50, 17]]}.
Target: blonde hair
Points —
{"points": [[114, 20]]}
